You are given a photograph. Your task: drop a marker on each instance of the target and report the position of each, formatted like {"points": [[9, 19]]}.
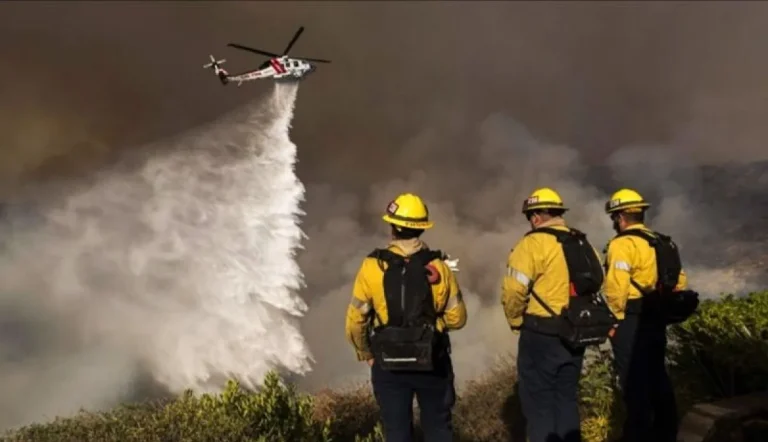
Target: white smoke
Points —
{"points": [[181, 264], [474, 192]]}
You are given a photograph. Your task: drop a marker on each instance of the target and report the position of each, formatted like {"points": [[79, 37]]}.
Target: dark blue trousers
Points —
{"points": [[639, 349], [548, 379], [435, 393]]}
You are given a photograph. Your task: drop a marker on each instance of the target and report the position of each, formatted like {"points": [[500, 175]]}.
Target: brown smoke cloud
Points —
{"points": [[470, 104], [593, 76]]}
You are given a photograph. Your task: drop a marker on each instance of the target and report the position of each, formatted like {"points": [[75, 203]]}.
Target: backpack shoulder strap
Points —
{"points": [[389, 256], [653, 237], [559, 234], [386, 255], [638, 233], [427, 255], [650, 237]]}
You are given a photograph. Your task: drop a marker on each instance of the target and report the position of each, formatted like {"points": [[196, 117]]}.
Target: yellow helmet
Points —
{"points": [[626, 200], [544, 198], [408, 210]]}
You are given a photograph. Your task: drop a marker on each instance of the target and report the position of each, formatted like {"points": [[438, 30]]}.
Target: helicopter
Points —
{"points": [[279, 67]]}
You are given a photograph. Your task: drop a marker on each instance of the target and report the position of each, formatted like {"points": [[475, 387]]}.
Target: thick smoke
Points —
{"points": [[470, 104], [177, 261], [475, 196]]}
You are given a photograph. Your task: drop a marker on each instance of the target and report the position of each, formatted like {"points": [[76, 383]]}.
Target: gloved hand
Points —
{"points": [[452, 264]]}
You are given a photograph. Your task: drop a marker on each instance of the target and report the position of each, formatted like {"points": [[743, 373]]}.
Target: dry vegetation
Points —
{"points": [[720, 352]]}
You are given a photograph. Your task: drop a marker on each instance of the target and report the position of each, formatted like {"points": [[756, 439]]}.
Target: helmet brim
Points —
{"points": [[626, 207], [420, 225], [544, 206]]}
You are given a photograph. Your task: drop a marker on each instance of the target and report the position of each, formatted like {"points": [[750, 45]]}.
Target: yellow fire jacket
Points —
{"points": [[368, 304], [536, 258], [630, 257]]}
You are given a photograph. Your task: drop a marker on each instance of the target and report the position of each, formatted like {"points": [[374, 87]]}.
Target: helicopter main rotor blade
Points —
{"points": [[257, 51], [293, 40]]}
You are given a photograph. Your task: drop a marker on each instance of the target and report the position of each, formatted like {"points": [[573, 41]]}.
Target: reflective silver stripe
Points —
{"points": [[453, 301], [363, 306], [622, 265], [521, 277]]}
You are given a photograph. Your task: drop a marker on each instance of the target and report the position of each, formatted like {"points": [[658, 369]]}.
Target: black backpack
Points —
{"points": [[409, 341], [586, 320], [663, 302]]}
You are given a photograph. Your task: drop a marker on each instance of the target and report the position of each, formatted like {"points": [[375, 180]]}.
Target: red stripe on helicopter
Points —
{"points": [[277, 66]]}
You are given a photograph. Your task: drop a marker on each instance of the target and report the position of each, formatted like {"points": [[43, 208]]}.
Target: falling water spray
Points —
{"points": [[178, 261]]}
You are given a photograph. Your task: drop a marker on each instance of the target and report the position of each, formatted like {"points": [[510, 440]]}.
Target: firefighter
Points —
{"points": [[639, 344], [407, 289], [535, 289]]}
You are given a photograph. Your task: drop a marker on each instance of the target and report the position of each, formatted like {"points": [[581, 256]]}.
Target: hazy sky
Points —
{"points": [[593, 76]]}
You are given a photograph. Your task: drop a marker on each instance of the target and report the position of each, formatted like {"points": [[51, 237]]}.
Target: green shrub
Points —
{"points": [[599, 400], [376, 435], [722, 351], [275, 413]]}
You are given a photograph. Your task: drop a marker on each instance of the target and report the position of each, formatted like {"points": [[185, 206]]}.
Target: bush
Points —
{"points": [[276, 413], [488, 409], [600, 403], [351, 412], [719, 352]]}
